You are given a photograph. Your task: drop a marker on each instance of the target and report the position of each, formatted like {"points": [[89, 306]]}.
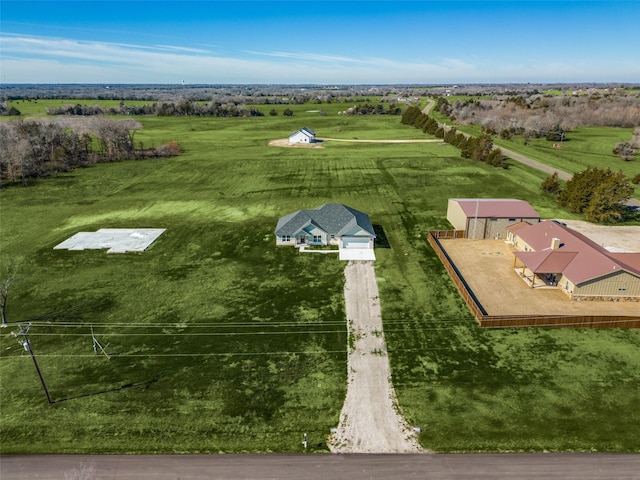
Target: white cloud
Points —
{"points": [[30, 59]]}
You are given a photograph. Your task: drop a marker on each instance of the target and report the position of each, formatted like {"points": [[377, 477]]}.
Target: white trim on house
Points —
{"points": [[304, 135]]}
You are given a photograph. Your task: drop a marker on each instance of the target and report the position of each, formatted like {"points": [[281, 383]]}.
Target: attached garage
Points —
{"points": [[356, 248], [356, 242]]}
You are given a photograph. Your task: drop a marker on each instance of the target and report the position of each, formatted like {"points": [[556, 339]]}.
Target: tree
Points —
{"points": [[556, 134], [496, 159], [273, 112], [635, 138], [551, 184], [599, 195], [9, 273], [115, 139], [478, 148], [624, 150], [410, 115], [287, 112]]}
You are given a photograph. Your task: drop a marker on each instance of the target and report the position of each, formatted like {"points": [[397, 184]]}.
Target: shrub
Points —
{"points": [[551, 184]]}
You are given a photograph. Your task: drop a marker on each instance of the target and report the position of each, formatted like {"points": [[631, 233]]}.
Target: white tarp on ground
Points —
{"points": [[357, 254], [116, 240]]}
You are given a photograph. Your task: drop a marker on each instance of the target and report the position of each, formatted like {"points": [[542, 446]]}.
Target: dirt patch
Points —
{"points": [[284, 142], [425, 140], [626, 238], [488, 268], [369, 421]]}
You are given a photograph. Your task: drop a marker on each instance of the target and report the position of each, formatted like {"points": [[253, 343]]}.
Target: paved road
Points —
{"points": [[322, 467], [632, 202], [535, 164]]}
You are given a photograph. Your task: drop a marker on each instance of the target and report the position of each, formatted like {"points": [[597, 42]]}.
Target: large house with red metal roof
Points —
{"points": [[556, 255], [488, 217]]}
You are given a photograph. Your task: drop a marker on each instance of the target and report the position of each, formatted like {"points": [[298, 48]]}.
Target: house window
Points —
{"points": [[622, 289], [512, 219], [286, 238], [317, 238]]}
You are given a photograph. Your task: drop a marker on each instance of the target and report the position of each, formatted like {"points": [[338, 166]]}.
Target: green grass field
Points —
{"points": [[585, 147], [221, 342], [39, 107]]}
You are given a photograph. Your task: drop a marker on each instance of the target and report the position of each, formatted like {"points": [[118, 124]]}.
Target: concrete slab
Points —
{"points": [[357, 254], [116, 240]]}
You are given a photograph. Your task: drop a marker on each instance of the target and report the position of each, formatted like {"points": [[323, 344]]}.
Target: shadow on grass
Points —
{"points": [[381, 238], [146, 386]]}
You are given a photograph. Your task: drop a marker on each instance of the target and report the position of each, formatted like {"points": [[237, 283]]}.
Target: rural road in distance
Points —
{"points": [[632, 202], [511, 466]]}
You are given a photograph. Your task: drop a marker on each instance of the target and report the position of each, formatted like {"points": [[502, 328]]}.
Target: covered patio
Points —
{"points": [[542, 269]]}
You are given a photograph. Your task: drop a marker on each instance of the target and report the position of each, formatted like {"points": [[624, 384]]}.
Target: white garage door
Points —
{"points": [[352, 242]]}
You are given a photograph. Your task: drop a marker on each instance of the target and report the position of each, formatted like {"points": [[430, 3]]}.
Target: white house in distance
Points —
{"points": [[329, 224], [488, 217], [304, 135]]}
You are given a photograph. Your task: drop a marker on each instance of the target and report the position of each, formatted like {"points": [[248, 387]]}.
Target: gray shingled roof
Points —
{"points": [[333, 218], [307, 131]]}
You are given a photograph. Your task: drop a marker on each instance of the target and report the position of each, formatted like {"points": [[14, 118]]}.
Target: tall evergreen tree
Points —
{"points": [[551, 184], [599, 195]]}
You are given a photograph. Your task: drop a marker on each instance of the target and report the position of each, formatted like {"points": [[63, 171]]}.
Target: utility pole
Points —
{"points": [[475, 218], [27, 346]]}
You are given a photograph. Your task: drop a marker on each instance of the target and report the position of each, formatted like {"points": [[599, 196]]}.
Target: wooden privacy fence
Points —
{"points": [[447, 233], [509, 321], [463, 287], [582, 321]]}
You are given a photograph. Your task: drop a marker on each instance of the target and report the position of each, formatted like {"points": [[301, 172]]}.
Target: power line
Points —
{"points": [[146, 355], [470, 322]]}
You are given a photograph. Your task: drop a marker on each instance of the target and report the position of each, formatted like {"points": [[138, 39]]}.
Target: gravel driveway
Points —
{"points": [[369, 421]]}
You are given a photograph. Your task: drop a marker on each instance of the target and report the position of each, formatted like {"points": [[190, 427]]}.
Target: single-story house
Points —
{"points": [[562, 257], [488, 217], [304, 135], [329, 224]]}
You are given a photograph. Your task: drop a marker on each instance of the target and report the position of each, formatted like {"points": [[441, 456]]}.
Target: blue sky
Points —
{"points": [[319, 42]]}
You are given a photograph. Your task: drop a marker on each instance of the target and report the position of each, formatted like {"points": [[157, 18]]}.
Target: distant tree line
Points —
{"points": [[161, 109], [199, 109], [479, 148], [292, 94], [374, 109], [597, 194], [549, 117], [535, 115], [40, 148]]}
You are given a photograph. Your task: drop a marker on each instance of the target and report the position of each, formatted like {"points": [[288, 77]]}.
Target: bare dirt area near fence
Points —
{"points": [[625, 238], [487, 266], [369, 421]]}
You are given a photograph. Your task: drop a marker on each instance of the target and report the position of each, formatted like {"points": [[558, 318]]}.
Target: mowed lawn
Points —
{"points": [[221, 342]]}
